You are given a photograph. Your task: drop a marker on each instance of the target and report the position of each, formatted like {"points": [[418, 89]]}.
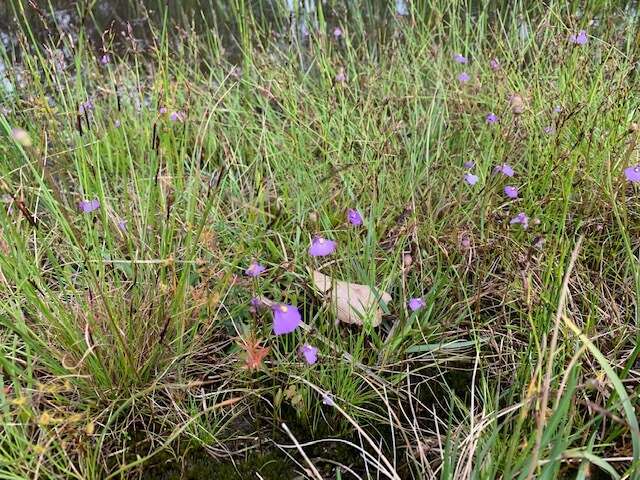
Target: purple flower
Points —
{"points": [[416, 304], [327, 399], [354, 217], [469, 164], [337, 33], [86, 107], [511, 192], [105, 59], [465, 241], [557, 109], [494, 64], [87, 206], [464, 77], [580, 38], [491, 118], [341, 77], [177, 117], [549, 129], [117, 124], [459, 58], [162, 110], [122, 225], [286, 318], [254, 270], [309, 353], [257, 304], [321, 247], [504, 169], [633, 173], [521, 219], [470, 178]]}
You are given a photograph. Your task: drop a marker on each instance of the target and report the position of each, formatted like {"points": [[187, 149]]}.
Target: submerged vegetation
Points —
{"points": [[193, 201]]}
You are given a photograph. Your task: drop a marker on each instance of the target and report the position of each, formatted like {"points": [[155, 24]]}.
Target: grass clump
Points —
{"points": [[146, 167]]}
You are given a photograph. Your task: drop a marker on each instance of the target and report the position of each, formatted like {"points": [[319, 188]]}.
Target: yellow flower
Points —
{"points": [[45, 419]]}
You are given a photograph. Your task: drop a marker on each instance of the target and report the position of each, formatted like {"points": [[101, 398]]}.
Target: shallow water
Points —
{"points": [[70, 17], [112, 26]]}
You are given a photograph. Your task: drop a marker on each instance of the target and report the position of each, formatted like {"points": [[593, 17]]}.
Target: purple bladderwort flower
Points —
{"points": [[511, 192], [549, 129], [177, 116], [491, 118], [459, 58], [321, 247], [309, 353], [416, 304], [162, 110], [354, 217], [580, 38], [257, 304], [469, 164], [494, 64], [557, 109], [86, 107], [470, 178], [286, 318], [254, 270], [633, 173], [327, 399], [505, 169], [122, 225], [105, 59], [520, 219], [117, 123], [465, 242], [87, 206], [341, 77], [337, 33], [464, 77]]}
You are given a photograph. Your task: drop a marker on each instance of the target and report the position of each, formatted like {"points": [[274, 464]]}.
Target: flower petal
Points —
{"points": [[309, 353], [321, 247], [286, 318]]}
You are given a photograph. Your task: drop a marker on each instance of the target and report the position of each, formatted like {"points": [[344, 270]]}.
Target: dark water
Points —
{"points": [[112, 26], [100, 20]]}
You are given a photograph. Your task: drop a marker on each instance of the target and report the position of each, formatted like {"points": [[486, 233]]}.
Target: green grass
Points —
{"points": [[121, 350]]}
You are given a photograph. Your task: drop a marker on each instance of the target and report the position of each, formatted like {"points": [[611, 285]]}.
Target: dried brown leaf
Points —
{"points": [[352, 302]]}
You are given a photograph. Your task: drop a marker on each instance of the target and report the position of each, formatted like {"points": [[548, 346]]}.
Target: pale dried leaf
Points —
{"points": [[352, 302], [517, 103]]}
